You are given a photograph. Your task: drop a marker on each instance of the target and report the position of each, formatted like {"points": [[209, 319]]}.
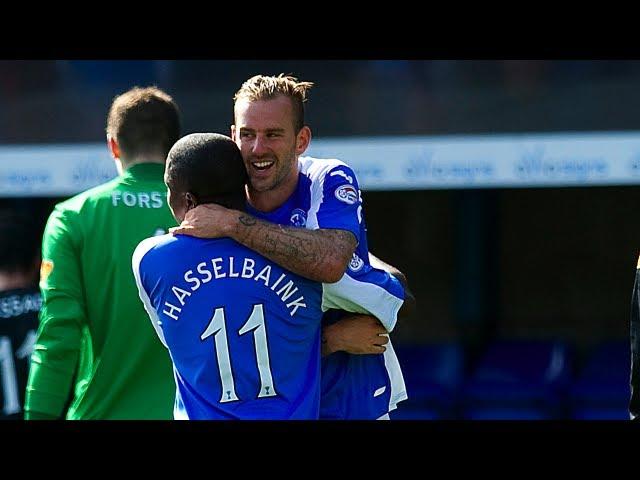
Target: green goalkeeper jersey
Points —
{"points": [[97, 355]]}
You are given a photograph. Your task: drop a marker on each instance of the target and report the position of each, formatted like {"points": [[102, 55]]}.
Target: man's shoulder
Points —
{"points": [[79, 201], [102, 198], [174, 248], [69, 213], [316, 168], [156, 245]]}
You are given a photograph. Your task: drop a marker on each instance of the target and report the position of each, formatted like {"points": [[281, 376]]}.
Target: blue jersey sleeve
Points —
{"points": [[341, 203]]}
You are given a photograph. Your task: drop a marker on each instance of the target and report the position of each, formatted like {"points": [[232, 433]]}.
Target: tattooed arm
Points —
{"points": [[321, 255]]}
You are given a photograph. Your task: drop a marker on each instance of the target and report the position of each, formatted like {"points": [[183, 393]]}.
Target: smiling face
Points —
{"points": [[265, 133]]}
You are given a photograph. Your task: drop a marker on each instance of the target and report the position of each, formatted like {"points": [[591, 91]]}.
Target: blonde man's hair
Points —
{"points": [[263, 87]]}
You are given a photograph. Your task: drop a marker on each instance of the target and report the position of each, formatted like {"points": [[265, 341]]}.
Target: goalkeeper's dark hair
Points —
{"points": [[144, 121], [210, 167], [19, 242]]}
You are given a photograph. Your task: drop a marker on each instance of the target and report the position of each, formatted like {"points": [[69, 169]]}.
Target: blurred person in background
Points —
{"points": [[19, 306], [95, 349], [361, 375]]}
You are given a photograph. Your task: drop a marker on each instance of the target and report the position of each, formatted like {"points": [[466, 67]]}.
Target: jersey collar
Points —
{"points": [[144, 172]]}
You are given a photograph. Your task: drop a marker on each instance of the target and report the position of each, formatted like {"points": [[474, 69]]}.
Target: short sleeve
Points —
{"points": [[339, 201]]}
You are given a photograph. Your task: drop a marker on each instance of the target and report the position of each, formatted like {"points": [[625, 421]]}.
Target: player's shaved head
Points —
{"points": [[208, 167]]}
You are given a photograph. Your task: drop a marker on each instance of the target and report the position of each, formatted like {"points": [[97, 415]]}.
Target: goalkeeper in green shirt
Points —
{"points": [[96, 355]]}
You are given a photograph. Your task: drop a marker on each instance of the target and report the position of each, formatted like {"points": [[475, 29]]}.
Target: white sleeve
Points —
{"points": [[362, 297]]}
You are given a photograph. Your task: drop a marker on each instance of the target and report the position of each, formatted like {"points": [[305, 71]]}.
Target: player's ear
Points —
{"points": [[302, 140], [233, 132], [113, 147], [190, 200]]}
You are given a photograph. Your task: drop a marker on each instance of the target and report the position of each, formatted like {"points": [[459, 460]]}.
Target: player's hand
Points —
{"points": [[205, 221], [355, 334]]}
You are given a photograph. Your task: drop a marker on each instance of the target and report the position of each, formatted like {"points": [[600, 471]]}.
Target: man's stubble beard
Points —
{"points": [[281, 175]]}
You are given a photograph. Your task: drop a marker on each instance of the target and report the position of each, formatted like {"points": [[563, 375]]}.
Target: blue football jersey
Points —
{"points": [[242, 332], [353, 386]]}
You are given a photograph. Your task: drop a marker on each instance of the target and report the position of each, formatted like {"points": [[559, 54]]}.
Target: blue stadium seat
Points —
{"points": [[602, 389], [433, 374], [527, 376]]}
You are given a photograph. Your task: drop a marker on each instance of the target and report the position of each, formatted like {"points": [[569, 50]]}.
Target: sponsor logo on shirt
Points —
{"points": [[298, 217], [347, 194], [356, 263], [46, 267]]}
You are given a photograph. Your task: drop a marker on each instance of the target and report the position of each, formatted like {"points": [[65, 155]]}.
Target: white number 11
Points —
{"points": [[255, 323]]}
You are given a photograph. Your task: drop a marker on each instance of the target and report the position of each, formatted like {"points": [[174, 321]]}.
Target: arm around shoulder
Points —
{"points": [[321, 255]]}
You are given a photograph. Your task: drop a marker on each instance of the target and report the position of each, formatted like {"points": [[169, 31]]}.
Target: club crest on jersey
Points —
{"points": [[356, 263], [347, 194], [298, 217]]}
